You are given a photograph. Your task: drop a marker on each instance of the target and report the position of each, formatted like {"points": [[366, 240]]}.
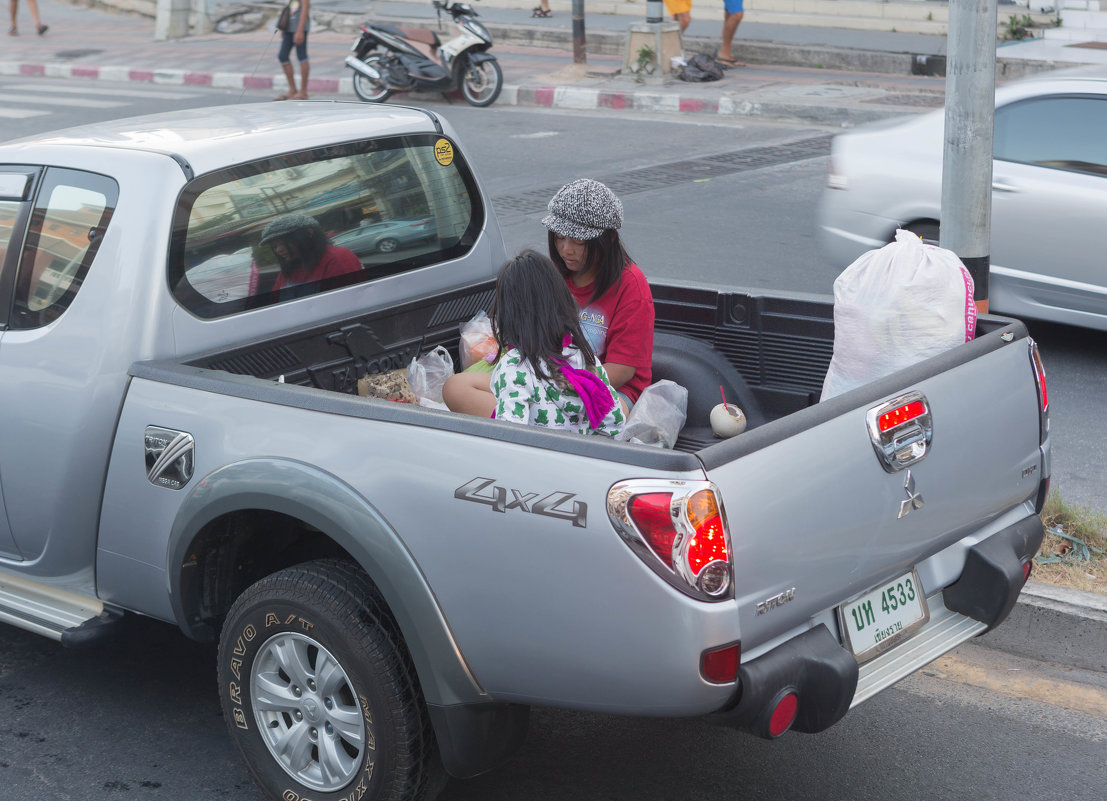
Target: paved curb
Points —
{"points": [[1052, 624], [634, 98], [611, 43]]}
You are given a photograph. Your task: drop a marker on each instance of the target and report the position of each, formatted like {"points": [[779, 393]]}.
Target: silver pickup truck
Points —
{"points": [[393, 587]]}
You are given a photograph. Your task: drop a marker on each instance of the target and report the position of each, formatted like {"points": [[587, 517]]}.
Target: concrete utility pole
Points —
{"points": [[171, 21], [966, 224], [580, 55]]}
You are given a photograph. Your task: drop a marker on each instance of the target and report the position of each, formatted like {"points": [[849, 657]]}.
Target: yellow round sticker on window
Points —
{"points": [[444, 152]]}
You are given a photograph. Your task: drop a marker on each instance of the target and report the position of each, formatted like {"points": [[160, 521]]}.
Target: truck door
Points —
{"points": [[15, 189], [56, 414]]}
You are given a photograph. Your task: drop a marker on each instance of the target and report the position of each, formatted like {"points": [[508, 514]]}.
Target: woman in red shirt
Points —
{"points": [[616, 305], [617, 313]]}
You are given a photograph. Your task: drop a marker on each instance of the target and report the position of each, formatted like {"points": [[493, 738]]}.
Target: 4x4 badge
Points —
{"points": [[914, 499]]}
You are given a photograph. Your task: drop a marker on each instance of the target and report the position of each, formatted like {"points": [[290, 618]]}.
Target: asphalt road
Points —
{"points": [[140, 719]]}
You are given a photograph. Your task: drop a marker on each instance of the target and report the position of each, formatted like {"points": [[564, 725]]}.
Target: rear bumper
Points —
{"points": [[827, 678]]}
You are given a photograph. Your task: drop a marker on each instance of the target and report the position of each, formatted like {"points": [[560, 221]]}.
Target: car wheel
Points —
{"points": [[387, 245], [319, 693], [928, 232]]}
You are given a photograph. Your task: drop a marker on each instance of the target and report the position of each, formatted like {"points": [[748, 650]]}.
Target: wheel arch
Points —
{"points": [[249, 519]]}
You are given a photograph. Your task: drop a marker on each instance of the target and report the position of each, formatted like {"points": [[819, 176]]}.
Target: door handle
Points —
{"points": [[999, 186]]}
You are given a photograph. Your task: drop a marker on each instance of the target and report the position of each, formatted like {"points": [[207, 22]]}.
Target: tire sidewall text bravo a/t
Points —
{"points": [[316, 689]]}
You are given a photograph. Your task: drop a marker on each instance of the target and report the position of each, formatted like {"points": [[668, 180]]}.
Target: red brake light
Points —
{"points": [[651, 514], [709, 543], [901, 415], [679, 529]]}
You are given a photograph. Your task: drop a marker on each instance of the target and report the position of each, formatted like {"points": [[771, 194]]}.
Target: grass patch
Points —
{"points": [[1077, 560]]}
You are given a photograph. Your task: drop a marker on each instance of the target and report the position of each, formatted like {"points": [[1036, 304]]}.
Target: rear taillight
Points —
{"points": [[1043, 392], [1043, 417], [679, 529]]}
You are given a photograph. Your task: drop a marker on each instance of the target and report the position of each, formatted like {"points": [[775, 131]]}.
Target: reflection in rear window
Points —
{"points": [[311, 222]]}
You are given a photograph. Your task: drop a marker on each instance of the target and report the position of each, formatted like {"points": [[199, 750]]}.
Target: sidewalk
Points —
{"points": [[785, 79]]}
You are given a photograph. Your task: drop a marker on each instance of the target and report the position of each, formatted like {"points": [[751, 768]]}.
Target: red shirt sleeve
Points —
{"points": [[630, 335]]}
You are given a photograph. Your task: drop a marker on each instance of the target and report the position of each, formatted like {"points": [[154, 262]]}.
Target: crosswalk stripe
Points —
{"points": [[20, 113], [78, 102], [91, 90]]}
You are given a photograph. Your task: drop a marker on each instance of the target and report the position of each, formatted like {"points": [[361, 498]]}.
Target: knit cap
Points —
{"points": [[583, 209], [283, 226]]}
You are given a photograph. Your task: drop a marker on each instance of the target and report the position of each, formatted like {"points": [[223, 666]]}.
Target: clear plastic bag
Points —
{"points": [[896, 306], [427, 373], [658, 416], [477, 341]]}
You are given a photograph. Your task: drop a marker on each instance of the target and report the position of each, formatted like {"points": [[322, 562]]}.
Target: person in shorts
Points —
{"points": [[732, 16], [296, 35], [681, 11]]}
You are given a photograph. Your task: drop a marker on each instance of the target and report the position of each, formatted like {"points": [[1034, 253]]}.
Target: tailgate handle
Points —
{"points": [[900, 430], [906, 447]]}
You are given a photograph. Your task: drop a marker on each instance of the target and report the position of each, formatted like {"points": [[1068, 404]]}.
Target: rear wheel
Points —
{"points": [[481, 82], [318, 691], [369, 89], [387, 245]]}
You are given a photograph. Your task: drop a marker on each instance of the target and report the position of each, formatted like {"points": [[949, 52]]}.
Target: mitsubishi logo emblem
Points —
{"points": [[914, 499]]}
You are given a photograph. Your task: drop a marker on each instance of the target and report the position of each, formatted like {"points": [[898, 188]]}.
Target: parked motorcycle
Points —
{"points": [[385, 60]]}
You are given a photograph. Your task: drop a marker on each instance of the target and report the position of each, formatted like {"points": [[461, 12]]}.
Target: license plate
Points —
{"points": [[883, 616]]}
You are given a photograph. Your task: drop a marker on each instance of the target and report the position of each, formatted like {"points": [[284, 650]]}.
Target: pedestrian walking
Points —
{"points": [[295, 35], [33, 5], [732, 16], [681, 11]]}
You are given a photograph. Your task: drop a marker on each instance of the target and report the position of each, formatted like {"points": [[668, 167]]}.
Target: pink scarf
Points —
{"points": [[595, 394]]}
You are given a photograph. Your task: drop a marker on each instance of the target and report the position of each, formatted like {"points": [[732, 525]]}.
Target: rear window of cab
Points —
{"points": [[299, 224]]}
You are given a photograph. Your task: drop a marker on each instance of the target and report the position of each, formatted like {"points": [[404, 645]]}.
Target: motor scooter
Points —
{"points": [[385, 60]]}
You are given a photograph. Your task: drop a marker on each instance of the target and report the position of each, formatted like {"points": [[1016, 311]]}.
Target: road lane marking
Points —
{"points": [[20, 113], [69, 89], [78, 102], [1021, 684]]}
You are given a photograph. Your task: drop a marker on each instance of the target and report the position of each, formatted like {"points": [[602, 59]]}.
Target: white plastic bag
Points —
{"points": [[477, 341], [658, 416], [896, 306], [426, 375]]}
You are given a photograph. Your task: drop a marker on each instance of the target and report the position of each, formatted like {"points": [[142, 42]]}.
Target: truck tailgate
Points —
{"points": [[816, 520]]}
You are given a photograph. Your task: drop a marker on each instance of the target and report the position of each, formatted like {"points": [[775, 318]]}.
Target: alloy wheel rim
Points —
{"points": [[307, 712]]}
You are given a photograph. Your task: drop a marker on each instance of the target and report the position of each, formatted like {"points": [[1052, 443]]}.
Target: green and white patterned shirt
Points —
{"points": [[521, 397]]}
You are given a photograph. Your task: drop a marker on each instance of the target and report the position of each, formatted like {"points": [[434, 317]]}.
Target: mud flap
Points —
{"points": [[814, 666], [993, 576]]}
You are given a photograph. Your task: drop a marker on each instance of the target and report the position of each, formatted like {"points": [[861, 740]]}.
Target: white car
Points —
{"points": [[1049, 194]]}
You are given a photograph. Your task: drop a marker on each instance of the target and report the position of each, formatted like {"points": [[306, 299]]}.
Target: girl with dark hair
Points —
{"points": [[616, 305], [547, 374]]}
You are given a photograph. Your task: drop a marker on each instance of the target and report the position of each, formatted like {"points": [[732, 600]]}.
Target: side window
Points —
{"points": [[68, 221], [1061, 132], [311, 222]]}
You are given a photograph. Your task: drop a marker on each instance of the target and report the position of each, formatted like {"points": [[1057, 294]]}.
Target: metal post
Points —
{"points": [[966, 223], [580, 56], [654, 11]]}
